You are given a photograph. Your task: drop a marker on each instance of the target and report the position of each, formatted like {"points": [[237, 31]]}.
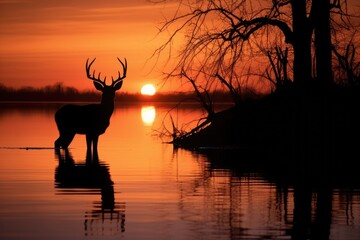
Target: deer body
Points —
{"points": [[93, 125], [92, 119]]}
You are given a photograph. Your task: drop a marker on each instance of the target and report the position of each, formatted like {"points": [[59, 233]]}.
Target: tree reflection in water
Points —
{"points": [[91, 177], [251, 201]]}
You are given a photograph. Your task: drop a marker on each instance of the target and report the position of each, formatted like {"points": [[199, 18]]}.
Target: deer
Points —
{"points": [[91, 120]]}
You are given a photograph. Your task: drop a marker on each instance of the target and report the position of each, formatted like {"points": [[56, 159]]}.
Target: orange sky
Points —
{"points": [[43, 42]]}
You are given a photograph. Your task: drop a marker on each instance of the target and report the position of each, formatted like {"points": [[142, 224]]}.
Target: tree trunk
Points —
{"points": [[301, 43], [320, 14]]}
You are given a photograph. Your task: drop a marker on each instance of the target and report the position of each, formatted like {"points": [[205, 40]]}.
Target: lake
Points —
{"points": [[143, 188]]}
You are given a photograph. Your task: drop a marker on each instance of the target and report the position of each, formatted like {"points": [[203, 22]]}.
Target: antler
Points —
{"points": [[92, 77], [120, 78], [98, 78]]}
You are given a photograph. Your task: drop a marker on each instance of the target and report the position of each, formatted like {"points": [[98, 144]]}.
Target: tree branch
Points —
{"points": [[257, 23]]}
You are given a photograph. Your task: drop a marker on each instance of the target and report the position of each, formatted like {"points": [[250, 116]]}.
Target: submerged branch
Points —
{"points": [[180, 138]]}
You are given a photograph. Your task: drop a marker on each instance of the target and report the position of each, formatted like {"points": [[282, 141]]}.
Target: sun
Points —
{"points": [[148, 89]]}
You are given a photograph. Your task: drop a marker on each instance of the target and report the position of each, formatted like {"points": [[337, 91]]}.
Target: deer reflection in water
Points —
{"points": [[91, 177]]}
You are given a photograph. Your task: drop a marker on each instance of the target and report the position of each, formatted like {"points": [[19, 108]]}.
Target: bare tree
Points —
{"points": [[223, 37], [347, 66], [277, 72], [223, 42]]}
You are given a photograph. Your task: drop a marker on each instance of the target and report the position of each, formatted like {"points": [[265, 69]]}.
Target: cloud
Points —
{"points": [[30, 17]]}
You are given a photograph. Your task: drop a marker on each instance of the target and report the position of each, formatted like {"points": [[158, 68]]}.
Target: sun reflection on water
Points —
{"points": [[148, 114]]}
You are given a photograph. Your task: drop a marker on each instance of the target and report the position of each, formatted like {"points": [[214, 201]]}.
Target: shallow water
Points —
{"points": [[142, 188]]}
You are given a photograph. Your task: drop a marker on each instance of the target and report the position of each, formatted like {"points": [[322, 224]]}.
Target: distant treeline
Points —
{"points": [[56, 92], [60, 93]]}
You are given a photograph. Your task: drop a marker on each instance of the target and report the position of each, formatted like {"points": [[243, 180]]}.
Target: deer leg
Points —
{"points": [[66, 139], [58, 142], [95, 151], [89, 139]]}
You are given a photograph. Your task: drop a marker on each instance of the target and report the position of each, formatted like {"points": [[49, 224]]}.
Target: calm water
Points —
{"points": [[144, 189]]}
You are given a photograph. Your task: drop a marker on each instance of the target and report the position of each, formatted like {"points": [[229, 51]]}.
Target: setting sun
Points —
{"points": [[148, 89]]}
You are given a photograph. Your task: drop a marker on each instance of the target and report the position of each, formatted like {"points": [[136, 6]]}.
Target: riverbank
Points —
{"points": [[308, 124]]}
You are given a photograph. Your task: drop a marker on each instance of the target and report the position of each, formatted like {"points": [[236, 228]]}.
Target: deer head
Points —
{"points": [[107, 90]]}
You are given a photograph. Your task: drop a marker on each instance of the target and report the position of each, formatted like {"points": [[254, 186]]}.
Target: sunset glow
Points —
{"points": [[47, 42], [148, 89]]}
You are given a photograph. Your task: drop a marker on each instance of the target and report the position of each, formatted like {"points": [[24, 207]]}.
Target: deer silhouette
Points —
{"points": [[92, 119]]}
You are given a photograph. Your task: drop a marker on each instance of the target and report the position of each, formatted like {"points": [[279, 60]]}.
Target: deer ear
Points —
{"points": [[118, 85], [98, 86]]}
